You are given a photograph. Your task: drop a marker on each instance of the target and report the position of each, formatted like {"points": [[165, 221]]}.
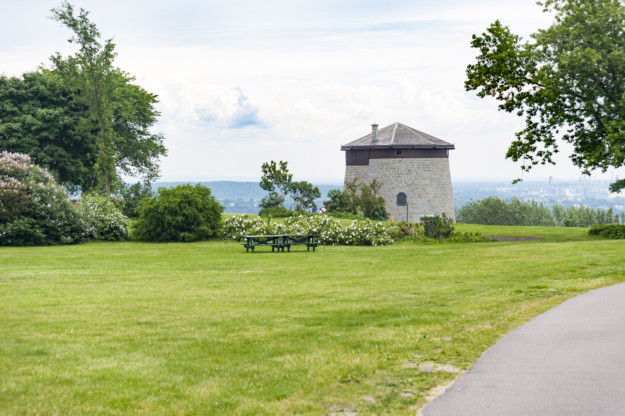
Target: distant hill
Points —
{"points": [[225, 189], [244, 197]]}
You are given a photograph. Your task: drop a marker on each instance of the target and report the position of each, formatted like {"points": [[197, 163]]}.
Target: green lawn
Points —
{"points": [[204, 328]]}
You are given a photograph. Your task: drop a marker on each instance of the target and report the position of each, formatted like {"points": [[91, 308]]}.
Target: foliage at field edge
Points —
{"points": [[496, 211], [133, 196], [35, 210], [331, 231], [614, 231], [182, 213], [104, 217], [359, 198]]}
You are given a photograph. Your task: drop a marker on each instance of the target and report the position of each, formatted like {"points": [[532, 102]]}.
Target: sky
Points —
{"points": [[243, 82]]}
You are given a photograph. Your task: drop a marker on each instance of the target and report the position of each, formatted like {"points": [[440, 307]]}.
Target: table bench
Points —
{"points": [[309, 240], [280, 242], [273, 241]]}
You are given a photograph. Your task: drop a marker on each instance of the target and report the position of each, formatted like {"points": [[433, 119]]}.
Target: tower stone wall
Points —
{"points": [[425, 181]]}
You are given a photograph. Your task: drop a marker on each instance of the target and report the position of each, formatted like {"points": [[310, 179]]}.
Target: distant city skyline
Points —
{"points": [[241, 83]]}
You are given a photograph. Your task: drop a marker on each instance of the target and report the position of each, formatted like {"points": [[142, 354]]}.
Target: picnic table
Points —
{"points": [[280, 242], [309, 240]]}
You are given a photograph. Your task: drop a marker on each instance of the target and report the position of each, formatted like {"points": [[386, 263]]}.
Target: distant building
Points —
{"points": [[412, 166]]}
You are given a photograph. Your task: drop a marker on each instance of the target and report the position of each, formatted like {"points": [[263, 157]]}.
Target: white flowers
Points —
{"points": [[330, 231]]}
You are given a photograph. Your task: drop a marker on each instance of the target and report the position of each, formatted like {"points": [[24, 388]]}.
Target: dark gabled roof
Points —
{"points": [[398, 136]]}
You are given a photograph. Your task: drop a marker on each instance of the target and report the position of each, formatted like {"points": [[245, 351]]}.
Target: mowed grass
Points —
{"points": [[205, 328]]}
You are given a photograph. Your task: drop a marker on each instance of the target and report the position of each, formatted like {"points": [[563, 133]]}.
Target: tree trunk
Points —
{"points": [[107, 180]]}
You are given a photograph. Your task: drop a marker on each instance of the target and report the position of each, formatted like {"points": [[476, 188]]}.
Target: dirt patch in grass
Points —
{"points": [[524, 238]]}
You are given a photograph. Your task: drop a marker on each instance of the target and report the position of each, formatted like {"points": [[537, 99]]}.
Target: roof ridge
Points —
{"points": [[394, 130]]}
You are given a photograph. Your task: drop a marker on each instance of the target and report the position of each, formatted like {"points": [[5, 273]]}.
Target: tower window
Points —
{"points": [[402, 199]]}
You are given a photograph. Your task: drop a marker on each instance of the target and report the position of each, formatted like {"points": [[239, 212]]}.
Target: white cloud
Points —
{"points": [[241, 83]]}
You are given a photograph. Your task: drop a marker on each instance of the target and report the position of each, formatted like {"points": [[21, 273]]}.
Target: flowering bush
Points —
{"points": [[330, 230], [238, 226], [316, 224], [103, 217], [33, 208], [358, 233]]}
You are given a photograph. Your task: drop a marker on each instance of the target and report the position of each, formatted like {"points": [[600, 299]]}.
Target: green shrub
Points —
{"points": [[34, 210], [271, 200], [496, 211], [182, 213], [132, 197], [341, 202], [276, 212], [597, 229], [103, 217], [380, 213], [615, 231], [437, 226], [467, 238], [403, 231]]}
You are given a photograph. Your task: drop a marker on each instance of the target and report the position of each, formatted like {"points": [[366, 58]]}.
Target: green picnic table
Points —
{"points": [[280, 242]]}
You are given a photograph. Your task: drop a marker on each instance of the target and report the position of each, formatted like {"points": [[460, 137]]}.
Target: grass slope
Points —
{"points": [[204, 328]]}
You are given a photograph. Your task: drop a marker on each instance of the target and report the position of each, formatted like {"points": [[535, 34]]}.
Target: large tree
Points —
{"points": [[118, 113], [568, 83]]}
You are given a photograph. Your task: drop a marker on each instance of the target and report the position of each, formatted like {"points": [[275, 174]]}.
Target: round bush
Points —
{"points": [[34, 210], [182, 213]]}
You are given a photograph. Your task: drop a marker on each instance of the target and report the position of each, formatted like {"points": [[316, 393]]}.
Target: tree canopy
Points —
{"points": [[568, 83], [359, 197], [304, 194], [276, 176], [118, 113], [84, 119], [39, 117]]}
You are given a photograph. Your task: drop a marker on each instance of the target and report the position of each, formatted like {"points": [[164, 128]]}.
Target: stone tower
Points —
{"points": [[412, 166]]}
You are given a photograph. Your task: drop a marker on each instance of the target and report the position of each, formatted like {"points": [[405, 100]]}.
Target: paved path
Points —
{"points": [[567, 361]]}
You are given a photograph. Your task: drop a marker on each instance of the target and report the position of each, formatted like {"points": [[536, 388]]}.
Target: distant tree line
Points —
{"points": [[496, 211]]}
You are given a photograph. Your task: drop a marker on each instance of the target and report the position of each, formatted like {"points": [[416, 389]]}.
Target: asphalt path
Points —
{"points": [[568, 361]]}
